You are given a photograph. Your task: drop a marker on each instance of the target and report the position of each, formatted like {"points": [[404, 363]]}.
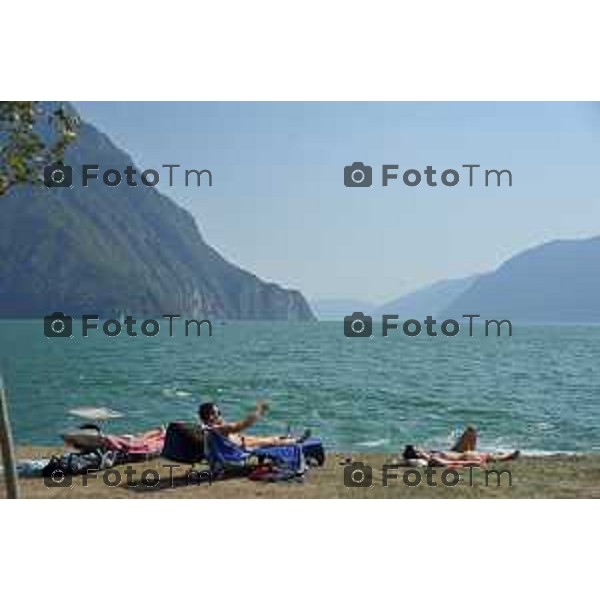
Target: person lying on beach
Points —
{"points": [[463, 453], [211, 417]]}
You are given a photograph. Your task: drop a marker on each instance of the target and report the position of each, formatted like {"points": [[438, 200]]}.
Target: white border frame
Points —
{"points": [[267, 50]]}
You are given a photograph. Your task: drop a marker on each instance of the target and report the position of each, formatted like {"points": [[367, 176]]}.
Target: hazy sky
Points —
{"points": [[278, 205]]}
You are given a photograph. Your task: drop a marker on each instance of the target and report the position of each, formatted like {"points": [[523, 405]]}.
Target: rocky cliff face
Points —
{"points": [[104, 250]]}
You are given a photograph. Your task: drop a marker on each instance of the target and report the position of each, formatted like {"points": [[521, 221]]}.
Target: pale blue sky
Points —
{"points": [[278, 206]]}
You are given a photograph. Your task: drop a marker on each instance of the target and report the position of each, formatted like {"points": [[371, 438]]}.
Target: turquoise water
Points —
{"points": [[538, 390]]}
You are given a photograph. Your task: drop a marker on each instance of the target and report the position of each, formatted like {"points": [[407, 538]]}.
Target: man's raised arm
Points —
{"points": [[255, 416]]}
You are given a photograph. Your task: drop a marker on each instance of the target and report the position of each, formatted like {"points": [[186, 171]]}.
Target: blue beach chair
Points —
{"points": [[223, 456]]}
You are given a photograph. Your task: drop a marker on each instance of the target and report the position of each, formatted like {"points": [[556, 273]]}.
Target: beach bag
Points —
{"points": [[78, 463], [184, 442]]}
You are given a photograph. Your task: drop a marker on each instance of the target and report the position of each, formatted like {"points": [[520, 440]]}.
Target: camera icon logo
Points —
{"points": [[358, 325], [358, 175], [58, 479], [58, 325], [357, 474], [58, 175]]}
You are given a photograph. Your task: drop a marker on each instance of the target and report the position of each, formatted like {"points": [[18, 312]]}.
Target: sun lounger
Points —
{"points": [[222, 455], [98, 451]]}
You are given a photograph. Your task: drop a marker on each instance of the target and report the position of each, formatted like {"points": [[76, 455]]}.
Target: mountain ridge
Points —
{"points": [[427, 300], [556, 281], [102, 250]]}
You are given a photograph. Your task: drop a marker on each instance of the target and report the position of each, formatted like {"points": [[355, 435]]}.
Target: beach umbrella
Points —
{"points": [[6, 446]]}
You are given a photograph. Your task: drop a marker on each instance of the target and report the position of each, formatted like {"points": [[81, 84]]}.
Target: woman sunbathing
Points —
{"points": [[462, 454], [210, 415]]}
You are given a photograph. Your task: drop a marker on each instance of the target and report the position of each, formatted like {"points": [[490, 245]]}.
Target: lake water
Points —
{"points": [[538, 390]]}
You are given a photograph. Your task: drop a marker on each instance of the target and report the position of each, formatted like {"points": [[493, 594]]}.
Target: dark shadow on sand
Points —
{"points": [[194, 479]]}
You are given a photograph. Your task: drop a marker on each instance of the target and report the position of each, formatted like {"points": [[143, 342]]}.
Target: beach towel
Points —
{"points": [[148, 444], [223, 454], [473, 460], [29, 467], [144, 445]]}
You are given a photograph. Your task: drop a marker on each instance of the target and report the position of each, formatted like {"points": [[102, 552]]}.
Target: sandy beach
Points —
{"points": [[557, 476]]}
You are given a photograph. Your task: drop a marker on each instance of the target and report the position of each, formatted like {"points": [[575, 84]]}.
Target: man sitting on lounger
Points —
{"points": [[211, 417]]}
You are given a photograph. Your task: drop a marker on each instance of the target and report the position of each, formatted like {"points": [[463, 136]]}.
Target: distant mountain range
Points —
{"points": [[336, 309], [429, 300], [556, 282], [106, 250]]}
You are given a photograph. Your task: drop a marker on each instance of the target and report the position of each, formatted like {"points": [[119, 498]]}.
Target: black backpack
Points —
{"points": [[184, 442]]}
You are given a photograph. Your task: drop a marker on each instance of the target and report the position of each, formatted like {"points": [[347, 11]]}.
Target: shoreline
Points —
{"points": [[557, 475], [44, 450]]}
